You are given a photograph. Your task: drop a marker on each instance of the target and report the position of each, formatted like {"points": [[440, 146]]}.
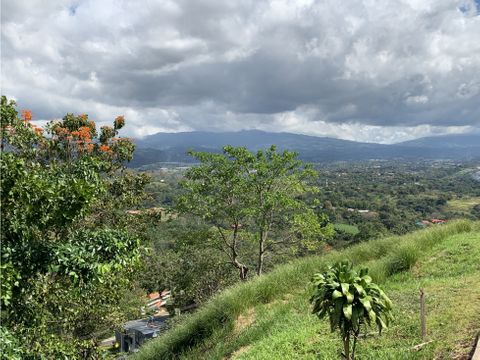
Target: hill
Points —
{"points": [[450, 141], [269, 317], [172, 147]]}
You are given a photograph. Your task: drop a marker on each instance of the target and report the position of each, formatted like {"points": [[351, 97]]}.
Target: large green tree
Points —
{"points": [[62, 269], [255, 198]]}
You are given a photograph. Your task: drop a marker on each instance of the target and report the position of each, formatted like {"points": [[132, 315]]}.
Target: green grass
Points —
{"points": [[464, 204], [269, 317], [346, 228]]}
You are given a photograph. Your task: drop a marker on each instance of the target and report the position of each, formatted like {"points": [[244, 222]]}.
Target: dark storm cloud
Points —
{"points": [[347, 69]]}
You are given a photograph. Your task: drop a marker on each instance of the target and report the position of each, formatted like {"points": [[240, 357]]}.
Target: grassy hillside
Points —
{"points": [[269, 317], [464, 205]]}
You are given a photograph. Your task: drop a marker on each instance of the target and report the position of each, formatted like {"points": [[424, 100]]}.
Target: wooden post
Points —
{"points": [[423, 318]]}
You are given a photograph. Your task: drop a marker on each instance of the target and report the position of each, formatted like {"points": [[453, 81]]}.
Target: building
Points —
{"points": [[157, 300], [136, 332]]}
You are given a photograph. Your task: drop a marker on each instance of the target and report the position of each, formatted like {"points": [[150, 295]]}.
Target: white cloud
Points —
{"points": [[366, 70]]}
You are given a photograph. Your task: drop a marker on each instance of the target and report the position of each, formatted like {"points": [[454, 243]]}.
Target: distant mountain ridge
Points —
{"points": [[453, 140], [172, 147]]}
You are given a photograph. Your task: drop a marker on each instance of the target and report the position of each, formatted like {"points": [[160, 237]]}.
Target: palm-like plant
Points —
{"points": [[350, 299]]}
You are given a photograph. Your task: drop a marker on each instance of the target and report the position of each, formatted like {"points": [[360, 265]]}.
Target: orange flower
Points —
{"points": [[104, 148], [38, 130], [26, 115], [84, 132], [89, 147]]}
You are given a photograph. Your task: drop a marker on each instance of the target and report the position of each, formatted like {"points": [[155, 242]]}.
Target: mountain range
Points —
{"points": [[173, 147]]}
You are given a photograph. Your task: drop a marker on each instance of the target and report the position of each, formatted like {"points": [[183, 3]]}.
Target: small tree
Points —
{"points": [[350, 299], [254, 197]]}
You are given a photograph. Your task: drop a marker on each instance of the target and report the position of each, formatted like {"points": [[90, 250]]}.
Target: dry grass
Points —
{"points": [[244, 320]]}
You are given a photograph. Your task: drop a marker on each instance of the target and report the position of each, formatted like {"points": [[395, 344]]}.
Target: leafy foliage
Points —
{"points": [[182, 261], [255, 198], [62, 273], [350, 300]]}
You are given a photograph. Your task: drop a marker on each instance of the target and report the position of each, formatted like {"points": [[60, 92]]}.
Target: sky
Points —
{"points": [[364, 70]]}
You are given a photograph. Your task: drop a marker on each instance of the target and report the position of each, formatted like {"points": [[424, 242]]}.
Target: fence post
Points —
{"points": [[423, 319]]}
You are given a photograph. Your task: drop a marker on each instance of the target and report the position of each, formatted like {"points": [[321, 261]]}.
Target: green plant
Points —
{"points": [[350, 299], [65, 255], [254, 197]]}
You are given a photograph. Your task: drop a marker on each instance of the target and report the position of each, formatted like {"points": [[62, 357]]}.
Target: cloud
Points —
{"points": [[364, 70]]}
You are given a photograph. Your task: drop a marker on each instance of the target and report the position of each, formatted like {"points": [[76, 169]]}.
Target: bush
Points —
{"points": [[349, 299], [402, 259]]}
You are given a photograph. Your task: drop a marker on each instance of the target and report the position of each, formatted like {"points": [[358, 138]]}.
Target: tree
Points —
{"points": [[253, 198], [61, 273], [349, 299], [217, 191], [182, 261], [278, 183]]}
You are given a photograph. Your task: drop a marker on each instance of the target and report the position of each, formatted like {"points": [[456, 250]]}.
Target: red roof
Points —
{"points": [[153, 296]]}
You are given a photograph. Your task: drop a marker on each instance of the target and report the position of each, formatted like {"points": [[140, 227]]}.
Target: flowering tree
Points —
{"points": [[61, 273]]}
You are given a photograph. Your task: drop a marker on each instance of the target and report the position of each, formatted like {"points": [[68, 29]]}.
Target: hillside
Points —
{"points": [[269, 317], [172, 147], [451, 141]]}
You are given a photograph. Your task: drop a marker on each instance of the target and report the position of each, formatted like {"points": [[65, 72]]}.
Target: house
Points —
{"points": [[157, 300], [136, 332], [438, 221]]}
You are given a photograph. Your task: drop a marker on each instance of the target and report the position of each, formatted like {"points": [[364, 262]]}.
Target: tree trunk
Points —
{"points": [[243, 272], [261, 252], [242, 269], [346, 347]]}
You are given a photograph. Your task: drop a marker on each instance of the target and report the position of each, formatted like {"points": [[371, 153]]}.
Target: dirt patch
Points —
{"points": [[238, 352], [244, 320]]}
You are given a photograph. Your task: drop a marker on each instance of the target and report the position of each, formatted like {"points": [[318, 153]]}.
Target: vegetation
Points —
{"points": [[83, 238], [362, 201], [276, 304], [64, 267], [381, 198], [181, 260], [253, 197], [350, 300], [464, 205]]}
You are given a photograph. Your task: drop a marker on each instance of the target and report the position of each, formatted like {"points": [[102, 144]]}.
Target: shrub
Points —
{"points": [[402, 259], [350, 299]]}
